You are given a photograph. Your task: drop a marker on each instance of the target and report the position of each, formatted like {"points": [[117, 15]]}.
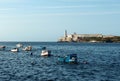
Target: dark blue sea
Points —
{"points": [[96, 62]]}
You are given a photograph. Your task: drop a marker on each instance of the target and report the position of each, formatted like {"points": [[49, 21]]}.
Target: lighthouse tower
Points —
{"points": [[65, 34]]}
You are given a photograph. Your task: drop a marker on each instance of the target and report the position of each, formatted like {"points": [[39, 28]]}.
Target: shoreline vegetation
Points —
{"points": [[94, 38]]}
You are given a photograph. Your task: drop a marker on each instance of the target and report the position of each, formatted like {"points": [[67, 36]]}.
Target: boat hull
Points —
{"points": [[14, 50], [45, 53]]}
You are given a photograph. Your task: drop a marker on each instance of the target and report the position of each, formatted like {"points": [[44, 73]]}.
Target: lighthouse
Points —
{"points": [[65, 34]]}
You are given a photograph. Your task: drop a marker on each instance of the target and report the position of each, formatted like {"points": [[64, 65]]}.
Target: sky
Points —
{"points": [[46, 20]]}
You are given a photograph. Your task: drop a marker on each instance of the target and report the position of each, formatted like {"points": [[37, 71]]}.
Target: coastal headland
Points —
{"points": [[89, 38]]}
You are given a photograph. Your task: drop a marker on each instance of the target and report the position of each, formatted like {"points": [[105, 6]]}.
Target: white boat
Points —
{"points": [[14, 50], [45, 53], [19, 45], [28, 48]]}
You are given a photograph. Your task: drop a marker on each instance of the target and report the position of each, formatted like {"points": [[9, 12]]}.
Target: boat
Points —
{"points": [[14, 50], [2, 47], [71, 58], [28, 48], [19, 45], [45, 52]]}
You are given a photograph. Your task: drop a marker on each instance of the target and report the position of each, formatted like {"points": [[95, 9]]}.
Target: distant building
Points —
{"points": [[107, 36], [83, 37]]}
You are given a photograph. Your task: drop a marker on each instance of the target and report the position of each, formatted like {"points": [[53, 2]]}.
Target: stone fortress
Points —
{"points": [[87, 38]]}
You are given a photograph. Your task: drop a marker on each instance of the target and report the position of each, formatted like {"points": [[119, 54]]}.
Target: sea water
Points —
{"points": [[96, 62]]}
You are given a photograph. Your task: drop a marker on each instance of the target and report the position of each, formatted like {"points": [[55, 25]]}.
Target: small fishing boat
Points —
{"points": [[28, 48], [71, 58], [2, 47], [45, 52], [14, 50], [19, 45]]}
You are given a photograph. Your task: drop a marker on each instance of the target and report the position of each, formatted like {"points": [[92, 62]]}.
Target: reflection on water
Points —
{"points": [[102, 62]]}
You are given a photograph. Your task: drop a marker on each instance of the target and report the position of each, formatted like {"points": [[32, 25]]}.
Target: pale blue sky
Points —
{"points": [[46, 20]]}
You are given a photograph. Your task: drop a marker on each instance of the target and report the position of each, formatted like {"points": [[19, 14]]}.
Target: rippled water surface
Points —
{"points": [[103, 62]]}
